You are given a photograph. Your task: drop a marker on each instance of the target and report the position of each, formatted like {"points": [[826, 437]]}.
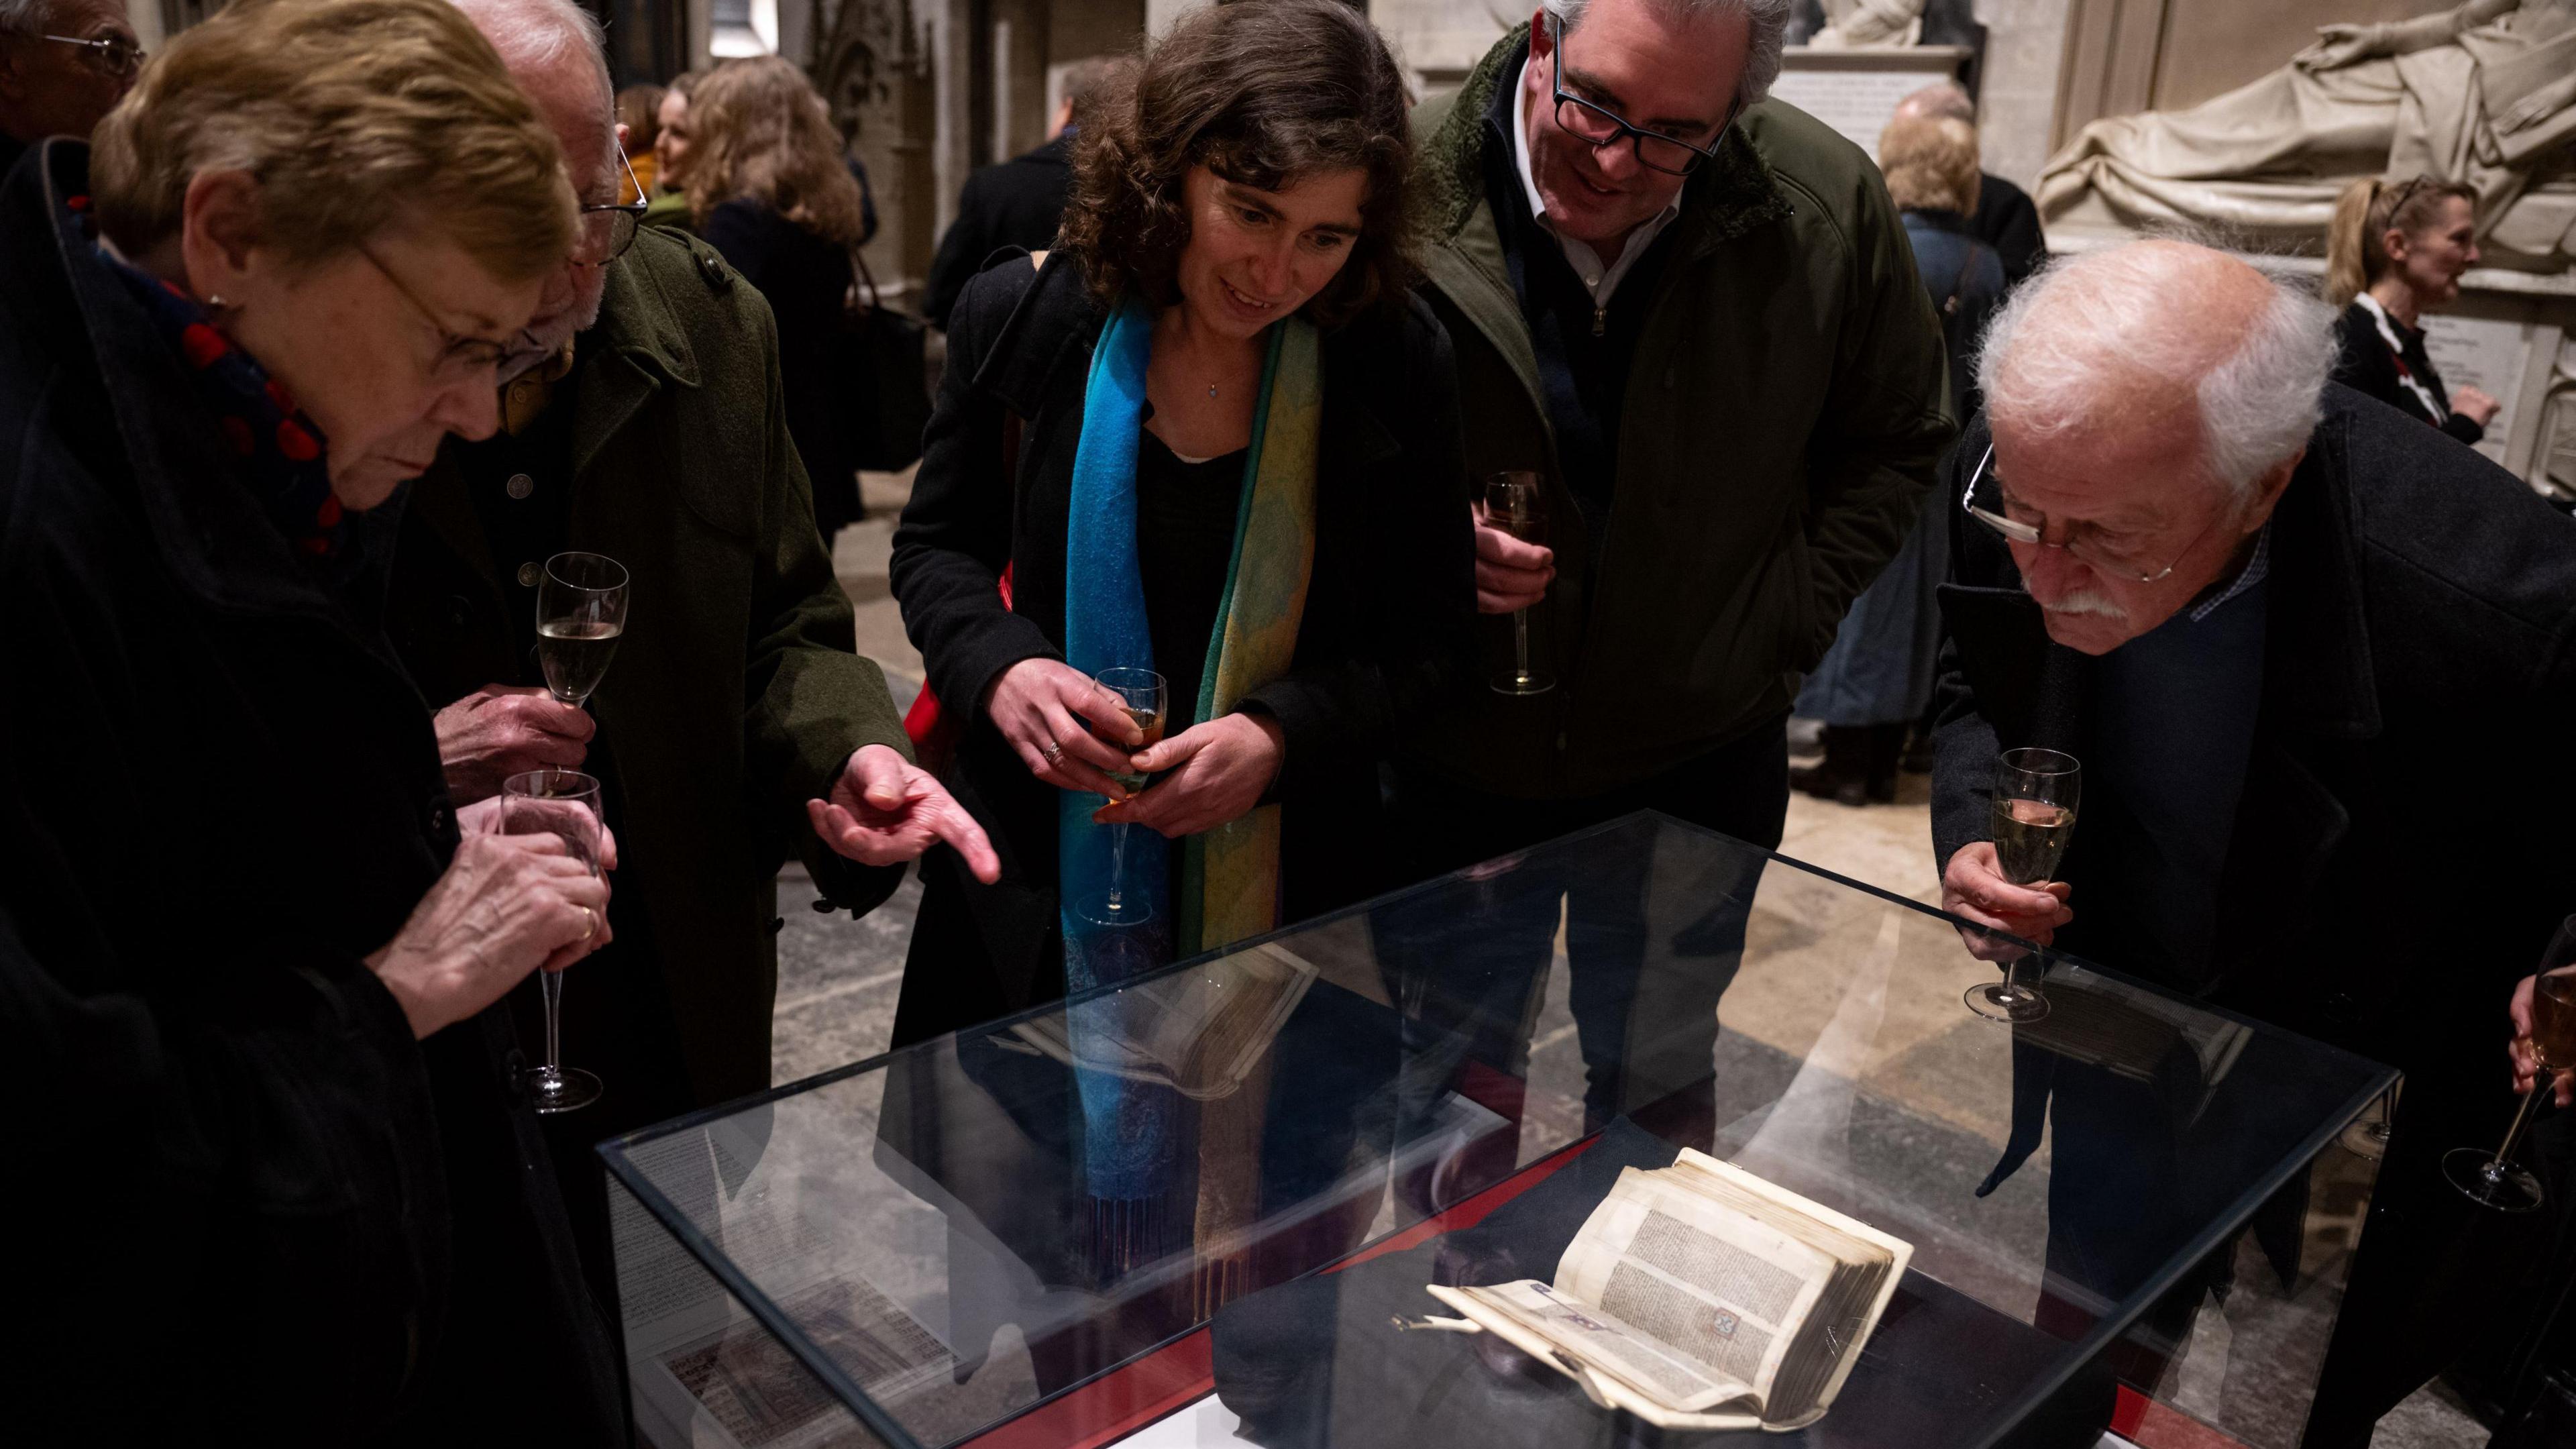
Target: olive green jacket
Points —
{"points": [[1783, 418], [736, 693]]}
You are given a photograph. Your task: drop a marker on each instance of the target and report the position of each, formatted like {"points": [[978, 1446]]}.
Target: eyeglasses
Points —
{"points": [[2107, 553], [460, 359], [608, 227], [112, 54], [1601, 126]]}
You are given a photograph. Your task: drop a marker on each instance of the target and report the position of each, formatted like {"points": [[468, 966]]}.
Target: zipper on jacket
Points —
{"points": [[1601, 319]]}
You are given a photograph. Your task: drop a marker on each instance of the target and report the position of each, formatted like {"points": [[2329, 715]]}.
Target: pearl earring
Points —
{"points": [[216, 300]]}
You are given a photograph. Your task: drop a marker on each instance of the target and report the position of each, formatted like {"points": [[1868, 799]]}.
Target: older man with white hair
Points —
{"points": [[2307, 654], [64, 64], [736, 728]]}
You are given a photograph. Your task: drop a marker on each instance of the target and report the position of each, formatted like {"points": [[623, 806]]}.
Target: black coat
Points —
{"points": [[2365, 363], [1016, 203], [1385, 630], [807, 281], [2396, 862], [2008, 221], [249, 1205]]}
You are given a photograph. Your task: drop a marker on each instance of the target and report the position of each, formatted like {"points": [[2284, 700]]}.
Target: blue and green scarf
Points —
{"points": [[1230, 875]]}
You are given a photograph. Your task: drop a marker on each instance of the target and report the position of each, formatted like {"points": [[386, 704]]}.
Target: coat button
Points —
{"points": [[460, 610], [520, 485], [712, 267], [529, 573], [2342, 1009], [437, 819]]}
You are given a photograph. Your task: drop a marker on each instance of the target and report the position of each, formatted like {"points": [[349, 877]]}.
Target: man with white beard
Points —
{"points": [[2310, 656]]}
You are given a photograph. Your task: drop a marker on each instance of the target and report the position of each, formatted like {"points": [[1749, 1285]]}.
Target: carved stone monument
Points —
{"points": [[2484, 93]]}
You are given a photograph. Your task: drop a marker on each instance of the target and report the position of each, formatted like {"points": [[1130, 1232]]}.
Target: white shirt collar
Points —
{"points": [[1597, 279]]}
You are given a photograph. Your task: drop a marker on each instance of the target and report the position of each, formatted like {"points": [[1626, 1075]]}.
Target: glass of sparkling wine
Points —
{"points": [[2036, 792], [581, 611], [2494, 1179], [564, 804], [1517, 504], [1147, 698]]}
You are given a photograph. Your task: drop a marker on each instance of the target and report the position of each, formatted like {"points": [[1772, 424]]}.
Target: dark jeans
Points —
{"points": [[1649, 956]]}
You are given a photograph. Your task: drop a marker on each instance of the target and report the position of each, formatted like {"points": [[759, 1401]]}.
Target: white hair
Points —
{"points": [[2075, 344], [25, 17], [535, 34], [1768, 18]]}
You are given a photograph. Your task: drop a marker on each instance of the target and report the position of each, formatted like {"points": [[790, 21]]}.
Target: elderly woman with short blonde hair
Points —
{"points": [[1872, 688], [247, 954]]}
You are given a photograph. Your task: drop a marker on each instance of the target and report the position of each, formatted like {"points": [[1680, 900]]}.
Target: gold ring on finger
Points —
{"points": [[589, 923]]}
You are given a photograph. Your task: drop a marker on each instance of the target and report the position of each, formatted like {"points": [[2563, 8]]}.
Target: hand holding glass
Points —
{"points": [[581, 612], [1516, 504], [564, 804], [2036, 792], [1147, 698], [2495, 1180]]}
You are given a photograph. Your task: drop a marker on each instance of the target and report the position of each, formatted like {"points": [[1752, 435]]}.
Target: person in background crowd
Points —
{"points": [[671, 138], [1019, 202], [1695, 313], [63, 65], [736, 728], [1874, 684], [1235, 231], [2005, 217], [768, 187], [2251, 603], [276, 1096], [2395, 251], [639, 123]]}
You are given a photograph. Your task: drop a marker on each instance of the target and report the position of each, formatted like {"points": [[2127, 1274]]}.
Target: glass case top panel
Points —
{"points": [[965, 1228]]}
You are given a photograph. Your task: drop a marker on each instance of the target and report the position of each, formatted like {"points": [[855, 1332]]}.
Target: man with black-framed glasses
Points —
{"points": [[64, 64], [1695, 313]]}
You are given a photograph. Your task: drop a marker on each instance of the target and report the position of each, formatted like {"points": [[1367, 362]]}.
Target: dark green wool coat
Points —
{"points": [[1783, 418], [736, 693]]}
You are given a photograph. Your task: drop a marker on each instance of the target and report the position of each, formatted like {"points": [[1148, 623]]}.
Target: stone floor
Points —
{"points": [[838, 983]]}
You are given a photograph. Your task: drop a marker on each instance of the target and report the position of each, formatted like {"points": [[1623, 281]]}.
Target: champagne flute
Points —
{"points": [[1516, 504], [581, 611], [1147, 698], [2495, 1180], [564, 804], [2036, 792]]}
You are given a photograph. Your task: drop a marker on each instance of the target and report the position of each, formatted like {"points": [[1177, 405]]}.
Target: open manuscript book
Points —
{"points": [[1699, 1296]]}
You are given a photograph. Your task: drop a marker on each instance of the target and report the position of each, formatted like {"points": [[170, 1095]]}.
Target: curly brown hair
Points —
{"points": [[760, 131], [1263, 95]]}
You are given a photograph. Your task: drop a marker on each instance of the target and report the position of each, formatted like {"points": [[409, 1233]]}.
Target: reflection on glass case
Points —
{"points": [[1731, 1152]]}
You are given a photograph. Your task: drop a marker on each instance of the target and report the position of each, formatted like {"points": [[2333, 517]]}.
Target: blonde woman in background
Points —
{"points": [[284, 1190], [768, 186], [2395, 251]]}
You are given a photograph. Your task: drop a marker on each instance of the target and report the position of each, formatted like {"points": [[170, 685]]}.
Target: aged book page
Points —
{"points": [[1700, 1296]]}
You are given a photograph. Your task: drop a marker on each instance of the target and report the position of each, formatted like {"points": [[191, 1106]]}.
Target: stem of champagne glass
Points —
{"points": [[2521, 1119], [554, 1018], [1520, 646], [1117, 866]]}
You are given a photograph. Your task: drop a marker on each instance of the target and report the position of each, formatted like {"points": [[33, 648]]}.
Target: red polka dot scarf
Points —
{"points": [[280, 449]]}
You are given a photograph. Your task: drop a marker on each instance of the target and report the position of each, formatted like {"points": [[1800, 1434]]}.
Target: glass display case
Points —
{"points": [[1204, 1206]]}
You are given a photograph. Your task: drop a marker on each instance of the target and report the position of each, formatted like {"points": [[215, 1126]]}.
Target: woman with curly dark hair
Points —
{"points": [[1213, 436]]}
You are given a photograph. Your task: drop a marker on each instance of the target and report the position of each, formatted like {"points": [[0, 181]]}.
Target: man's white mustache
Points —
{"points": [[2085, 601]]}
